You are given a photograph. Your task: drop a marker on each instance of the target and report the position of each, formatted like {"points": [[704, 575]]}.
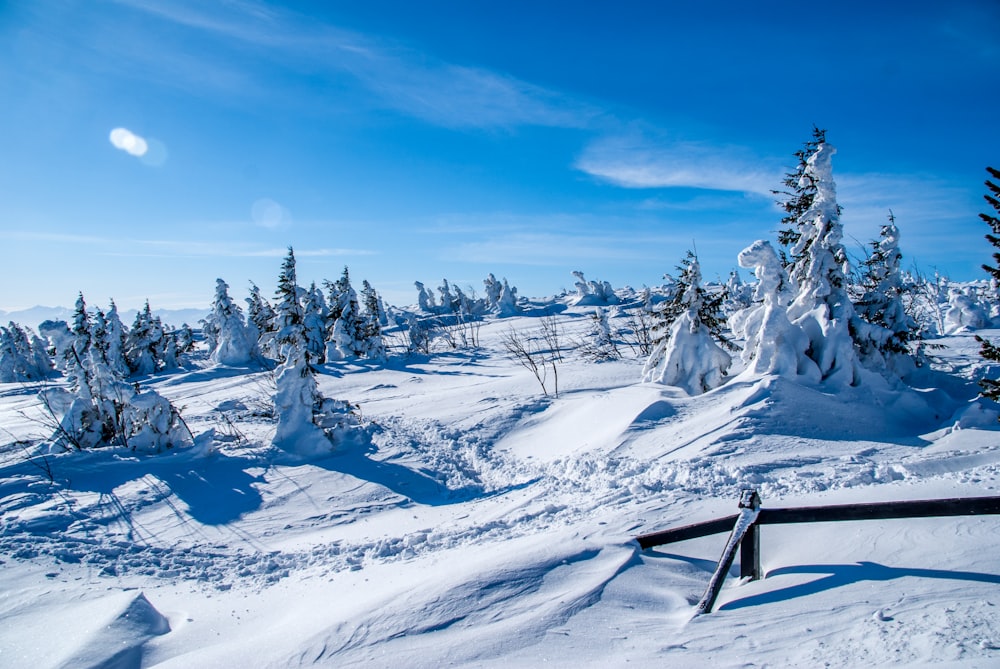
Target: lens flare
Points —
{"points": [[129, 142]]}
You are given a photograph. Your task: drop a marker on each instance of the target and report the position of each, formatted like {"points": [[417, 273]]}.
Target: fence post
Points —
{"points": [[750, 546], [749, 509]]}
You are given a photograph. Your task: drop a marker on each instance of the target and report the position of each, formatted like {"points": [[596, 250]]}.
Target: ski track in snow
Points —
{"points": [[519, 510]]}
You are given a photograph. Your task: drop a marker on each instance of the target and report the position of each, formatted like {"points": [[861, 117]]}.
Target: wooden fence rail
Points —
{"points": [[748, 538]]}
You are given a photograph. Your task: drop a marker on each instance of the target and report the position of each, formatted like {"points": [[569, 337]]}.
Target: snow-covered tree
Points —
{"points": [[801, 191], [59, 339], [101, 408], [738, 294], [686, 353], [75, 354], [965, 311], [22, 355], [885, 329], [314, 314], [115, 339], [289, 318], [599, 345], [346, 324], [425, 298], [374, 344], [260, 321], [822, 307], [773, 345], [229, 342], [990, 351], [595, 293], [144, 342], [308, 423]]}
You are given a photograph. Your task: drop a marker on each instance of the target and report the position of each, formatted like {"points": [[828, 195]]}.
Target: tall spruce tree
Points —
{"points": [[990, 351]]}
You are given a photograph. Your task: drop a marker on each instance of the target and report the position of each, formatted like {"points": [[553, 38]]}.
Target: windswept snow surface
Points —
{"points": [[475, 522]]}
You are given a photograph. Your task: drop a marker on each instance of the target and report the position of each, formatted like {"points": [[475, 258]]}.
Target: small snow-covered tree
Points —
{"points": [[425, 298], [101, 409], [289, 318], [115, 338], [144, 342], [965, 311], [374, 344], [75, 354], [885, 329], [314, 314], [22, 355], [229, 342], [594, 293], [773, 345], [260, 322], [687, 353], [599, 345], [346, 324]]}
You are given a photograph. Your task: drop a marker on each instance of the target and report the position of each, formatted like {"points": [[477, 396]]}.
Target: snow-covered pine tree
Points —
{"points": [[229, 342], [345, 336], [261, 326], [185, 339], [988, 350], [314, 314], [686, 352], [75, 354], [800, 193], [886, 329], [773, 345], [822, 307], [373, 318], [102, 409], [599, 345], [288, 314], [308, 423], [22, 355], [115, 341], [143, 341], [425, 298]]}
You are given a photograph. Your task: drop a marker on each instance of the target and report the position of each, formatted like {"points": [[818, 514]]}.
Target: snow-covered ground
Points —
{"points": [[477, 522]]}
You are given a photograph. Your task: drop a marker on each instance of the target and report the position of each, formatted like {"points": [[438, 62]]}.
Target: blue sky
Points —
{"points": [[429, 140]]}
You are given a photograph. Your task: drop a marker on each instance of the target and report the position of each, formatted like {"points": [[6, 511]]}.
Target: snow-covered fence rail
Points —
{"points": [[747, 534]]}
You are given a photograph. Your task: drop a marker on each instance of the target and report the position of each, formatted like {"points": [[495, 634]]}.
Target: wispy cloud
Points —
{"points": [[635, 161], [160, 248], [411, 82]]}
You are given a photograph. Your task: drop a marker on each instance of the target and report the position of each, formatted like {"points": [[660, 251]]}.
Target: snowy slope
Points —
{"points": [[480, 523]]}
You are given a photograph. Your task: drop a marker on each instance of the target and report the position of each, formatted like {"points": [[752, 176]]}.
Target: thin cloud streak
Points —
{"points": [[632, 162], [408, 81], [175, 248]]}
